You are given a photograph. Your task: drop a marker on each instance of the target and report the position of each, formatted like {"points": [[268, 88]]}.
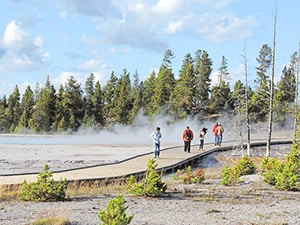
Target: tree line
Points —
{"points": [[121, 98]]}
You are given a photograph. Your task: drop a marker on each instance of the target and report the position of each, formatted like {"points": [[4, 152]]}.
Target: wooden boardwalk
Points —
{"points": [[170, 160]]}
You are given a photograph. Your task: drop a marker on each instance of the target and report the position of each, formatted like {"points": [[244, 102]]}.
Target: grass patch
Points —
{"points": [[51, 221], [90, 189], [206, 198], [55, 216], [74, 189], [213, 211], [9, 192]]}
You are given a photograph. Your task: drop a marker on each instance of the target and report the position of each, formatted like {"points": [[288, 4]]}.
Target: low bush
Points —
{"points": [[44, 189], [284, 175], [245, 166], [115, 213], [188, 176], [270, 167], [229, 175], [151, 185], [232, 175]]}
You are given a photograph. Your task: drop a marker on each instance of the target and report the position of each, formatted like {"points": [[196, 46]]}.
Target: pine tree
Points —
{"points": [[3, 119], [88, 118], [13, 110], [27, 105], [98, 104], [108, 97], [59, 111], [260, 100], [164, 85], [73, 103], [223, 71], [43, 114], [115, 213], [203, 69], [181, 100], [284, 95], [148, 92], [220, 98], [135, 97], [122, 101]]}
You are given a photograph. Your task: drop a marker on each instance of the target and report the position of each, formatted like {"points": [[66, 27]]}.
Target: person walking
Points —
{"points": [[201, 138], [215, 133], [156, 136], [187, 136], [219, 132]]}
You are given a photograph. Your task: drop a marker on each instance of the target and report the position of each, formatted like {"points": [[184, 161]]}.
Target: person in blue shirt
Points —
{"points": [[156, 136]]}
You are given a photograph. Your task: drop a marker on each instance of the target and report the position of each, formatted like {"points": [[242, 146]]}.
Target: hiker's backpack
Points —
{"points": [[188, 135]]}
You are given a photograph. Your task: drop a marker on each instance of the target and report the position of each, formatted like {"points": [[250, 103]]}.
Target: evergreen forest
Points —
{"points": [[189, 93]]}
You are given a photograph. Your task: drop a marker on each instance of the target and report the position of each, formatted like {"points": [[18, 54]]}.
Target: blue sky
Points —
{"points": [[60, 38]]}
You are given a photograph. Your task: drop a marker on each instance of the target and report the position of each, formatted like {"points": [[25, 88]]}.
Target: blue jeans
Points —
{"points": [[219, 139], [156, 149], [201, 143]]}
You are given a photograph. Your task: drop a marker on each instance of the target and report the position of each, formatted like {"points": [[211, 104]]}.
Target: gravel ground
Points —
{"points": [[251, 202]]}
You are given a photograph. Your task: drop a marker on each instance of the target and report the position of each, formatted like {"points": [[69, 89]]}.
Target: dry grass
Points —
{"points": [[9, 192], [88, 188], [53, 216]]}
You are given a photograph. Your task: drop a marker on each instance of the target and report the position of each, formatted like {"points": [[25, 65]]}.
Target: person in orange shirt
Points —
{"points": [[187, 136]]}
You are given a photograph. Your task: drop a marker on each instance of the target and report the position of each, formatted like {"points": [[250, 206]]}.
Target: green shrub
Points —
{"points": [[151, 185], [44, 189], [245, 166], [187, 176], [229, 175], [289, 178], [270, 167], [232, 175], [115, 213], [284, 175]]}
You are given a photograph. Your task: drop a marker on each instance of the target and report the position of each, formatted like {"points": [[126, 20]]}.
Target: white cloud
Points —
{"points": [[174, 27], [147, 24], [20, 52], [91, 7], [63, 78], [166, 7], [102, 75], [91, 65], [221, 28], [38, 41], [14, 39]]}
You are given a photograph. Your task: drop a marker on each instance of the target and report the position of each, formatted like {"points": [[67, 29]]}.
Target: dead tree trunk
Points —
{"points": [[296, 91], [271, 99], [246, 104]]}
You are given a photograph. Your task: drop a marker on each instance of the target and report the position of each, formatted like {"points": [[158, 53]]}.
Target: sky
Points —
{"points": [[60, 38]]}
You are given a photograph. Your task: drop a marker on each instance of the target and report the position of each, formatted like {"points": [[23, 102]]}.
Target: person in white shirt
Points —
{"points": [[201, 138], [156, 136]]}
